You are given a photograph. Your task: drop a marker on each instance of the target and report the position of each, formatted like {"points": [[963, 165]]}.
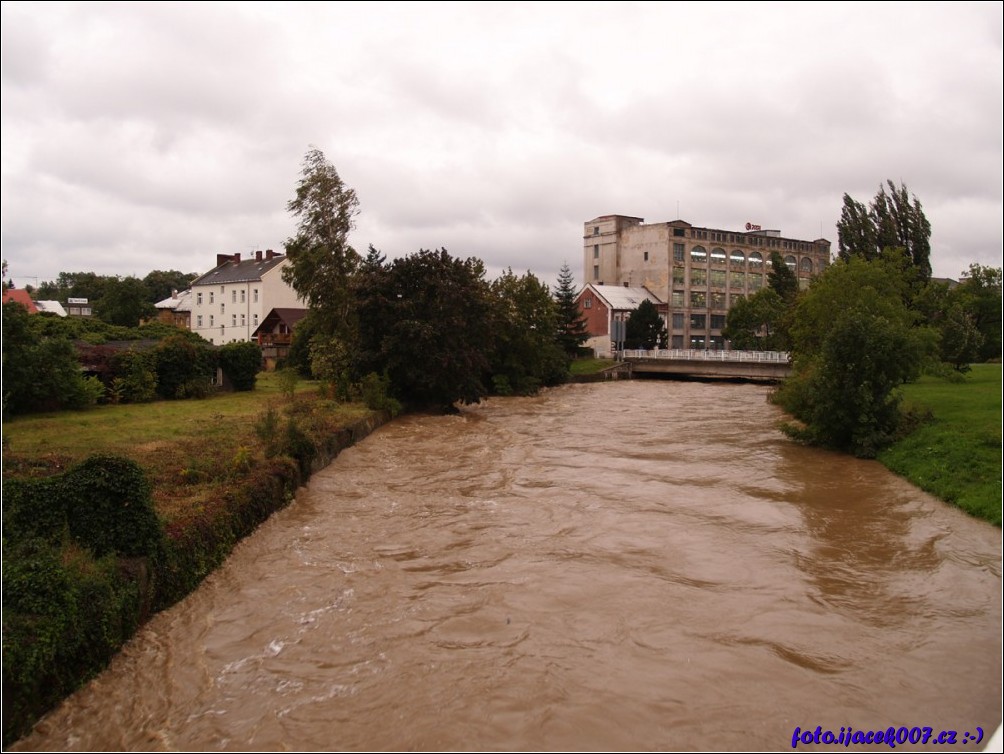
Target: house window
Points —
{"points": [[198, 321], [679, 232], [756, 259], [243, 322], [677, 341], [243, 296], [198, 298], [596, 251], [717, 321], [756, 281], [698, 321], [737, 258], [698, 277], [718, 256], [697, 341], [233, 320], [254, 319], [211, 294], [717, 300], [679, 276], [737, 280], [222, 308], [233, 296], [698, 300], [677, 320], [221, 330], [596, 230], [646, 256], [596, 272], [718, 278], [221, 290], [677, 298], [211, 320], [254, 295], [698, 255], [806, 265], [678, 250], [587, 303]]}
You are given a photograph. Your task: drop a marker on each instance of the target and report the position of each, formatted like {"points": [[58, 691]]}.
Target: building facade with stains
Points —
{"points": [[698, 272]]}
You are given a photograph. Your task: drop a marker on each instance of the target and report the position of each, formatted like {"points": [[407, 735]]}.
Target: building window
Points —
{"points": [[756, 281], [221, 290], [805, 266], [646, 256], [243, 321], [233, 296], [677, 299], [678, 250], [698, 321], [756, 260], [254, 295], [211, 320], [716, 343], [221, 329], [211, 294], [233, 320], [697, 341], [587, 303], [596, 272], [679, 276], [243, 296], [717, 300], [676, 341], [698, 255], [718, 256], [737, 258], [596, 251], [698, 277], [679, 232], [790, 262], [222, 308], [254, 319], [677, 320], [717, 321], [198, 298], [596, 230], [198, 321], [698, 299], [736, 280], [718, 278]]}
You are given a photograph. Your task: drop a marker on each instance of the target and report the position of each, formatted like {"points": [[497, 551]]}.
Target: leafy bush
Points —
{"points": [[241, 363], [375, 394], [181, 367], [135, 378]]}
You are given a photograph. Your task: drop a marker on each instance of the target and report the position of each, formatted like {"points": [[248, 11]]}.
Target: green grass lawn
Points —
{"points": [[590, 366], [957, 456], [187, 448]]}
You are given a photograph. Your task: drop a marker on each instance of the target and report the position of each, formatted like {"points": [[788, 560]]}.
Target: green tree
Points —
{"points": [[527, 353], [374, 259], [241, 363], [425, 321], [184, 368], [160, 284], [854, 341], [757, 323], [980, 296], [645, 328], [572, 329], [782, 279], [321, 259], [893, 220], [124, 303]]}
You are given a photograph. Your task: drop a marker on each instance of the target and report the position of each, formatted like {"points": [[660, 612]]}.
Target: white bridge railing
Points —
{"points": [[700, 354]]}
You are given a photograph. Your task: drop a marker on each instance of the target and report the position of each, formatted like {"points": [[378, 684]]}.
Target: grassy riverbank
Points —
{"points": [[957, 455]]}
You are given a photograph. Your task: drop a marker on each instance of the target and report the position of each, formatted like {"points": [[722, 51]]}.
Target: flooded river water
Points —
{"points": [[633, 565]]}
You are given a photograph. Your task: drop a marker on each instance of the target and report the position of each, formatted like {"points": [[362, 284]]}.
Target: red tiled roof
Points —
{"points": [[21, 297]]}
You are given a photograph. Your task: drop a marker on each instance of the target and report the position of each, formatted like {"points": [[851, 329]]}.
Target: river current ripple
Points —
{"points": [[632, 565]]}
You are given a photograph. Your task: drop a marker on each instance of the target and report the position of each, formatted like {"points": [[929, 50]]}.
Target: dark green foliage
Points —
{"points": [[527, 354], [34, 509], [645, 328], [425, 321], [39, 373], [892, 221], [124, 302], [266, 428], [109, 509], [782, 279], [296, 444], [160, 284], [134, 377], [980, 297], [376, 394], [960, 339], [572, 331], [241, 363], [184, 368], [854, 342], [758, 323]]}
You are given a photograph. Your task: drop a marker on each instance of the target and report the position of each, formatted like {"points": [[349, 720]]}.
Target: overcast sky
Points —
{"points": [[142, 136]]}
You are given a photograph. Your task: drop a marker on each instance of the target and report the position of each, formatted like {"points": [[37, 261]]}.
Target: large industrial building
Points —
{"points": [[698, 272]]}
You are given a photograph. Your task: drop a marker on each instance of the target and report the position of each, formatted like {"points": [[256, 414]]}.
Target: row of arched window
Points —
{"points": [[736, 258]]}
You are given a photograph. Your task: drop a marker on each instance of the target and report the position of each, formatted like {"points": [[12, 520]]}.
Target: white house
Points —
{"points": [[230, 301]]}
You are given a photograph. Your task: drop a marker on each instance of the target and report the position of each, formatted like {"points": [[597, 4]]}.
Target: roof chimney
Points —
{"points": [[237, 257], [257, 255], [269, 254], [222, 259]]}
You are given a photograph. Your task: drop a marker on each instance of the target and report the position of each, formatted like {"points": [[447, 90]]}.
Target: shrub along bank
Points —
{"points": [[92, 550]]}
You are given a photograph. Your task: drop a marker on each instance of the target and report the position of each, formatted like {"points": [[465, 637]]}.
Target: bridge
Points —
{"points": [[769, 366]]}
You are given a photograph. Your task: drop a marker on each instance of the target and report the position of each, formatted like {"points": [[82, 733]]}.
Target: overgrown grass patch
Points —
{"points": [[957, 455], [590, 365]]}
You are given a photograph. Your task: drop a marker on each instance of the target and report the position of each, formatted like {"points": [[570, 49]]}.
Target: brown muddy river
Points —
{"points": [[634, 565]]}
